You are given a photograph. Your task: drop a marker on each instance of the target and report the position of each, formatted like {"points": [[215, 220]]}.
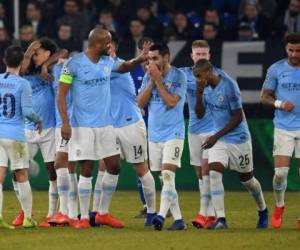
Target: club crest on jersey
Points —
{"points": [[106, 69], [220, 98], [168, 84]]}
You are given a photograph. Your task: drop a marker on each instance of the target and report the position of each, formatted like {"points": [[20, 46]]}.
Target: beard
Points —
{"points": [[295, 60]]}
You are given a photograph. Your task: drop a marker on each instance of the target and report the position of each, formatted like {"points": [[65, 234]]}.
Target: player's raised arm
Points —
{"points": [[127, 66], [27, 60]]}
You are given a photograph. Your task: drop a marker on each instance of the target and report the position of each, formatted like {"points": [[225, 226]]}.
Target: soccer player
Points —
{"points": [[281, 91], [66, 171], [131, 134], [163, 91], [15, 106], [87, 74], [43, 104], [230, 145], [199, 131]]}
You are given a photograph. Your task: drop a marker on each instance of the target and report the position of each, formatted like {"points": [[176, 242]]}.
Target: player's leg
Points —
{"points": [[63, 186], [3, 167], [63, 183], [32, 151], [108, 150], [98, 186], [148, 185], [198, 159], [284, 144], [48, 149], [171, 152], [82, 149], [254, 188], [73, 193], [143, 212], [97, 193], [133, 144], [18, 155], [242, 161], [218, 160], [207, 201], [109, 185]]}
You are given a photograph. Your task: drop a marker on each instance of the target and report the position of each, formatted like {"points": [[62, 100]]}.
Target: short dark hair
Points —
{"points": [[293, 38], [143, 40], [48, 44], [162, 48], [203, 65], [13, 56]]}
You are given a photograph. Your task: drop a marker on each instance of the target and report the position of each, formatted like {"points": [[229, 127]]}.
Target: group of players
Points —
{"points": [[86, 109]]}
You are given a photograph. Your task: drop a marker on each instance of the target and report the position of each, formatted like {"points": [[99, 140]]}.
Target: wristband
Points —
{"points": [[277, 104]]}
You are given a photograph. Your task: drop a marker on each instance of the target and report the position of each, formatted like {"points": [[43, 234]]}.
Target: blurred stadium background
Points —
{"points": [[246, 36]]}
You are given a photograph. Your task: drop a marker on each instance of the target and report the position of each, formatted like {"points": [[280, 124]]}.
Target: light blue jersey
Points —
{"points": [[15, 105], [284, 80], [90, 90], [196, 125], [166, 123], [56, 71], [222, 101], [42, 101], [125, 110]]}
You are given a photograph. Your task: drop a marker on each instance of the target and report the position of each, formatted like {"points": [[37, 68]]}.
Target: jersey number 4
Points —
{"points": [[7, 105]]}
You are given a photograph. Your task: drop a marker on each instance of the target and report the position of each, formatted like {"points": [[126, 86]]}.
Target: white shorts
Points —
{"points": [[93, 143], [45, 141], [132, 141], [62, 145], [168, 152], [16, 152], [197, 154], [236, 157], [285, 142]]}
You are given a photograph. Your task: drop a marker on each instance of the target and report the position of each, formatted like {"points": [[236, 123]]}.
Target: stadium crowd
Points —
{"points": [[68, 22]]}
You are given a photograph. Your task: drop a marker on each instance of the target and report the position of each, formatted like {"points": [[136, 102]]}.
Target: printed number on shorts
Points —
{"points": [[138, 151], [63, 143], [177, 152], [8, 103], [244, 160]]}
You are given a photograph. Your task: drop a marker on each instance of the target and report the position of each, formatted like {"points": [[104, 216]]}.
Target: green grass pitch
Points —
{"points": [[241, 216]]}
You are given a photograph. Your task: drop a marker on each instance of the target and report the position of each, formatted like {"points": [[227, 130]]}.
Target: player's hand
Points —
{"points": [[32, 48], [66, 131], [200, 85], [287, 106], [145, 51], [45, 74], [155, 73], [39, 126], [210, 142]]}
